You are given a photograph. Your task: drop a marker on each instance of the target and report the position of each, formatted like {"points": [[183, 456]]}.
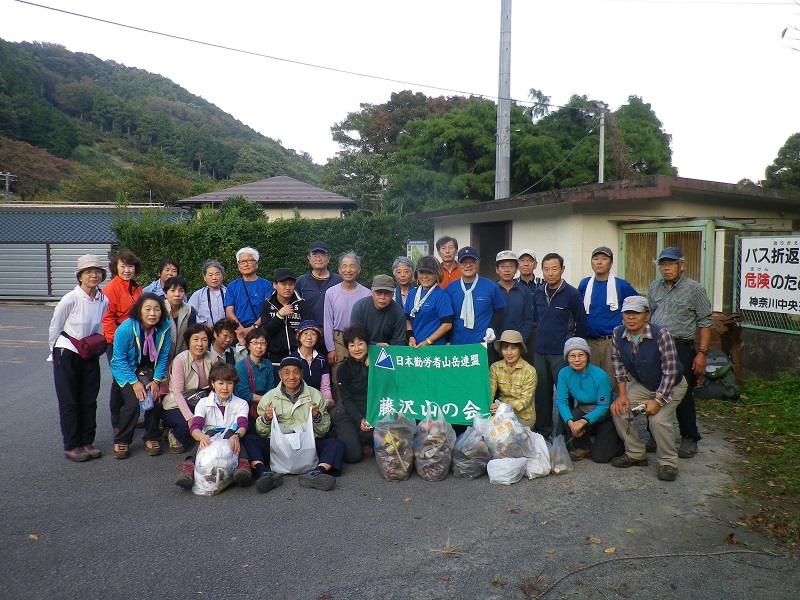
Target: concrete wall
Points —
{"points": [[767, 354], [307, 213]]}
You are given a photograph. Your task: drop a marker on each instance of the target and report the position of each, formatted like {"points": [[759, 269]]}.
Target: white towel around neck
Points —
{"points": [[611, 294], [468, 307]]}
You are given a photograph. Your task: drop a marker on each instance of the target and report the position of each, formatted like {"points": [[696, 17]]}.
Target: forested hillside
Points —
{"points": [[107, 129]]}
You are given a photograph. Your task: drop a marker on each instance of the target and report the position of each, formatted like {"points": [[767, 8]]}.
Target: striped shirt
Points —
{"points": [[681, 309], [671, 374]]}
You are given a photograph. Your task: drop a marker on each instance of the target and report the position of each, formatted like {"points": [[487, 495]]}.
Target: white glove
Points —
{"points": [[490, 336]]}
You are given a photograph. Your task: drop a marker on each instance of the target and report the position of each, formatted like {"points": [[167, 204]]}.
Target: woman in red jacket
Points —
{"points": [[122, 293]]}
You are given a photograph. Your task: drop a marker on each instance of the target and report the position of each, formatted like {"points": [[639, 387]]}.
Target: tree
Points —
{"points": [[647, 145], [242, 207], [784, 172]]}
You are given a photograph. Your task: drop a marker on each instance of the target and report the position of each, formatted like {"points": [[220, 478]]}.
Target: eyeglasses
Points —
{"points": [[258, 343], [246, 261]]}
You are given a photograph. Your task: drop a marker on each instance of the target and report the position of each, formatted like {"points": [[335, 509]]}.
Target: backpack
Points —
{"points": [[718, 380]]}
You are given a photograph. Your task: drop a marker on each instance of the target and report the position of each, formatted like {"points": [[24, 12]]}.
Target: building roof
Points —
{"points": [[638, 189], [42, 223], [275, 191]]}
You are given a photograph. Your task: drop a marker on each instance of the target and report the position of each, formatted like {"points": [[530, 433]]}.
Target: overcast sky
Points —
{"points": [[717, 74]]}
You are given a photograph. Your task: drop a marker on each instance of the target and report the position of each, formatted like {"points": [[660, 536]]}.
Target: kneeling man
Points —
{"points": [[648, 371]]}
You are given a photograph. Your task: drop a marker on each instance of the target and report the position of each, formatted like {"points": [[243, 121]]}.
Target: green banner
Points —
{"points": [[448, 380]]}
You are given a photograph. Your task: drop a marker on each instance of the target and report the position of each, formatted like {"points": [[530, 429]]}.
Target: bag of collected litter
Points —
{"points": [[394, 446], [470, 455], [559, 457], [504, 434], [433, 448], [538, 456], [506, 471], [294, 452], [214, 467]]}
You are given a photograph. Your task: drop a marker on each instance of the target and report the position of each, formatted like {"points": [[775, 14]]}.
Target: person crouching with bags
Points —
{"points": [[295, 408], [219, 412], [75, 349]]}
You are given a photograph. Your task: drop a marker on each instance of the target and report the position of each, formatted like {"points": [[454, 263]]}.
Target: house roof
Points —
{"points": [[641, 188], [42, 223], [275, 191]]}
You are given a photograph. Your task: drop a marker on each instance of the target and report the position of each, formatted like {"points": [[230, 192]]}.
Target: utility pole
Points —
{"points": [[602, 149], [9, 177], [502, 183]]}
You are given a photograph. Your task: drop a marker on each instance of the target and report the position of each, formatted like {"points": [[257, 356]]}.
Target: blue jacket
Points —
{"points": [[558, 319], [519, 311], [128, 351], [591, 386]]}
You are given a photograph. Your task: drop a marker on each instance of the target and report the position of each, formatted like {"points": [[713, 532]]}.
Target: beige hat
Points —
{"points": [[512, 337], [89, 261], [506, 255]]}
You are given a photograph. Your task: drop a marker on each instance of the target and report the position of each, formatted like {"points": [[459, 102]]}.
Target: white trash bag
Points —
{"points": [[505, 471], [293, 453], [214, 467], [538, 456]]}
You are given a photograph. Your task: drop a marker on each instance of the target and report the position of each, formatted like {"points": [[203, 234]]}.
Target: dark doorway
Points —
{"points": [[489, 239]]}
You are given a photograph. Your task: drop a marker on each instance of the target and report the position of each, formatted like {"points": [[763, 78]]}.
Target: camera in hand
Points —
{"points": [[639, 409]]}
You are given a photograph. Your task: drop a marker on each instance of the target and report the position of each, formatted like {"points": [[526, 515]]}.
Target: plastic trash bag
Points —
{"points": [[538, 456], [505, 471], [214, 467], [394, 446], [559, 457], [433, 448], [504, 434], [294, 452], [470, 455]]}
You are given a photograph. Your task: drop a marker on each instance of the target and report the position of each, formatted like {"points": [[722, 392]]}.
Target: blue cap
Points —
{"points": [[468, 252], [670, 254]]}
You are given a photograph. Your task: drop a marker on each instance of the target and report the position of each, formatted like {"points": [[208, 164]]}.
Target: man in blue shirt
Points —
{"points": [[518, 314], [245, 295], [313, 284], [603, 295], [477, 302]]}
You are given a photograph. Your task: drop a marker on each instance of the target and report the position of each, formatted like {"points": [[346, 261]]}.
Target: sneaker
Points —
{"points": [[77, 454], [317, 480], [688, 448], [667, 473], [650, 445], [92, 451], [268, 481], [186, 477], [174, 445], [243, 475], [121, 451], [152, 447], [625, 461], [580, 453]]}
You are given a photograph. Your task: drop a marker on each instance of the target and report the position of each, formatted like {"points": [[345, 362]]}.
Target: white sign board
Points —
{"points": [[770, 274]]}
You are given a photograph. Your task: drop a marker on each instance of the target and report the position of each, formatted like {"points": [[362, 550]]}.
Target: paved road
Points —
{"points": [[122, 529]]}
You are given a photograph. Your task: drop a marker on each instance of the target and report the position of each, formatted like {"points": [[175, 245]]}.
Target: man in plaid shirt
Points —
{"points": [[649, 373]]}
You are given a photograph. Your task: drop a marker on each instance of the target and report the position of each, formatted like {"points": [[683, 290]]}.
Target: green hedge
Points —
{"points": [[217, 235]]}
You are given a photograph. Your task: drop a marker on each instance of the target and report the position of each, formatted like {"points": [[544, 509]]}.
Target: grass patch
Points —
{"points": [[765, 429]]}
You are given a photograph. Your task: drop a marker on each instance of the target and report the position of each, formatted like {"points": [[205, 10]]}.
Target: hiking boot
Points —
{"points": [[650, 445], [92, 451], [268, 481], [243, 475], [688, 448], [186, 477], [667, 473], [625, 461], [121, 451], [174, 445], [77, 454], [152, 447], [580, 453], [317, 480]]}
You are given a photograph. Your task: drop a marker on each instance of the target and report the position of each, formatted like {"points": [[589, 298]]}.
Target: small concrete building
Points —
{"points": [[279, 197]]}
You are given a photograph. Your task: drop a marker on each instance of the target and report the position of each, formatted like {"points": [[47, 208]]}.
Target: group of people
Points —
{"points": [[240, 359]]}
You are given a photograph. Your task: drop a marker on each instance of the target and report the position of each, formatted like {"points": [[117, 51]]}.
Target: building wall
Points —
{"points": [[307, 213]]}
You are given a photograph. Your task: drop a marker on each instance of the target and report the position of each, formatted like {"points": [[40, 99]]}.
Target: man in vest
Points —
{"points": [[648, 372]]}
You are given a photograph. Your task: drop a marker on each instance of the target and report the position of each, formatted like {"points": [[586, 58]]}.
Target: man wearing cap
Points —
{"points": [[603, 294], [648, 371], [559, 316], [681, 305], [447, 247], [527, 266], [384, 319], [281, 313], [518, 314], [477, 302], [313, 284], [245, 295]]}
